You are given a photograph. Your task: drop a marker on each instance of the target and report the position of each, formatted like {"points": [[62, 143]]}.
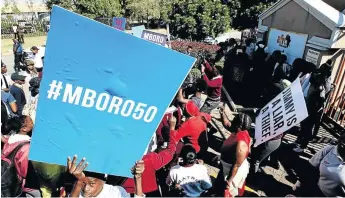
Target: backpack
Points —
{"points": [[11, 185]]}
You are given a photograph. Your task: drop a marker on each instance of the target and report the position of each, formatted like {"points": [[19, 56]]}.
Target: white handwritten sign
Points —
{"points": [[280, 114]]}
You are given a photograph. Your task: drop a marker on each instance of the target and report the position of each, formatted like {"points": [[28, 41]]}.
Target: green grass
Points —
{"points": [[7, 44]]}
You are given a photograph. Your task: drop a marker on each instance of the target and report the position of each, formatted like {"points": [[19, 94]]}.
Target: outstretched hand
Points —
{"points": [[138, 169], [172, 122], [77, 171]]}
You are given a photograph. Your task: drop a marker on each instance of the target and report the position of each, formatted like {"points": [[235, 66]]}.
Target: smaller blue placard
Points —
{"points": [[119, 23]]}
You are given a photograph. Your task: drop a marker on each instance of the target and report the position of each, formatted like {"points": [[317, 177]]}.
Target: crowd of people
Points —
{"points": [[176, 167]]}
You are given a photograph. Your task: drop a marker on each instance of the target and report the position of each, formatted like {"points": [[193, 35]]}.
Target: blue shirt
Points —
{"points": [[19, 95], [19, 47], [8, 99]]}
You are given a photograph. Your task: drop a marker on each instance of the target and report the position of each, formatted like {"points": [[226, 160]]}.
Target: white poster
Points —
{"points": [[312, 56], [289, 43], [280, 114]]}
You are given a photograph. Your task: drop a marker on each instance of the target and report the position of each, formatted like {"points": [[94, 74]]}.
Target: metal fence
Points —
{"points": [[336, 105], [29, 26]]}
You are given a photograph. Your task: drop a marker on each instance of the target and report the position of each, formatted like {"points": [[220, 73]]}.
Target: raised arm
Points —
{"points": [[137, 172], [165, 156], [208, 66], [180, 97], [225, 120]]}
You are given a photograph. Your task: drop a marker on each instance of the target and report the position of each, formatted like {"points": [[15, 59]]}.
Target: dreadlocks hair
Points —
{"points": [[242, 121]]}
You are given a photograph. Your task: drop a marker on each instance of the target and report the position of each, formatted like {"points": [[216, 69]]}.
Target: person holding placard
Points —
{"points": [[91, 184], [317, 89]]}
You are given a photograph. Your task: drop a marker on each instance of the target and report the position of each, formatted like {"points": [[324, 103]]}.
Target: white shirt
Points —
{"points": [[110, 191], [8, 80], [38, 59], [194, 179], [332, 171]]}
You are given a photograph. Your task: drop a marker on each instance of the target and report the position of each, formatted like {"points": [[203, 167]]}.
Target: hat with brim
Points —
{"points": [[16, 76]]}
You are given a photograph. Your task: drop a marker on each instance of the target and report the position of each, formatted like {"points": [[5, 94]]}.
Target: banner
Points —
{"points": [[312, 56], [154, 37], [138, 30], [279, 115], [289, 43], [119, 23], [104, 107]]}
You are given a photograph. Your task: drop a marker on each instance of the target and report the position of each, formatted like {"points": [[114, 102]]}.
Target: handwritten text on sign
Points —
{"points": [[154, 37], [279, 115]]}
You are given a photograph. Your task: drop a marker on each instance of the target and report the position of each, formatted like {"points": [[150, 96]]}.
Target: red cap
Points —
{"points": [[192, 109]]}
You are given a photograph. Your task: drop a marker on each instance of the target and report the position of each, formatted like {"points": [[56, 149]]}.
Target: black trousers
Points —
{"points": [[307, 128], [17, 60]]}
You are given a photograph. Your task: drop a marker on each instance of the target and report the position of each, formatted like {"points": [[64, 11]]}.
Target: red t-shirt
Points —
{"points": [[192, 128], [153, 162]]}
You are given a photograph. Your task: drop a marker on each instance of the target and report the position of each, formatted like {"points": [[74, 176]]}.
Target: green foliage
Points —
{"points": [[188, 19], [90, 8], [10, 6], [247, 12], [196, 19]]}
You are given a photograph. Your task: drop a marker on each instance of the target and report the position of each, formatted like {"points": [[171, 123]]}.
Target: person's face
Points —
{"points": [[189, 50], [92, 187], [34, 51], [14, 41], [3, 69], [31, 67], [27, 125]]}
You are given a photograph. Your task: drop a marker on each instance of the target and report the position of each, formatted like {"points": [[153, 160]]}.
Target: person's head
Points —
{"points": [[326, 69], [34, 86], [3, 68], [241, 122], [15, 41], [248, 42], [191, 109], [276, 55], [200, 85], [34, 49], [189, 49], [215, 71], [17, 78], [341, 146], [93, 185], [279, 74], [30, 66], [188, 155], [283, 59], [26, 125]]}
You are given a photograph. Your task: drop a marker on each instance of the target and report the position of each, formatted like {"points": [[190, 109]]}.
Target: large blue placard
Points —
{"points": [[101, 98]]}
